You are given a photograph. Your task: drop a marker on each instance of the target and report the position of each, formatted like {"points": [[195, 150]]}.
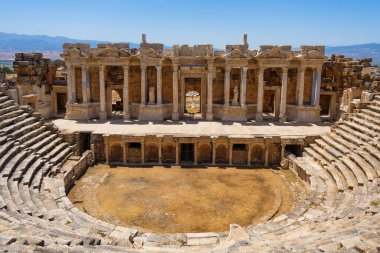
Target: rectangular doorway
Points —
{"points": [[187, 152], [85, 142], [61, 102], [193, 97], [324, 103]]}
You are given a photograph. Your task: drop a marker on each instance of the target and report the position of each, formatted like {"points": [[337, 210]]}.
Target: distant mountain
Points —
{"points": [[371, 50], [11, 43], [51, 47]]}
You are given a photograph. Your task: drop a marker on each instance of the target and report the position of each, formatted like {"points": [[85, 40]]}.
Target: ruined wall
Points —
{"points": [[167, 84]]}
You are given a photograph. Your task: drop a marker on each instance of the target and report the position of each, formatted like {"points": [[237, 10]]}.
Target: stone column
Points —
{"points": [[126, 93], [209, 115], [143, 84], [266, 154], [124, 151], [260, 96], [106, 149], [195, 153], [282, 151], [230, 154], [73, 85], [227, 82], [316, 87], [69, 84], [300, 85], [249, 154], [142, 152], [243, 86], [213, 152], [159, 150], [159, 84], [176, 153], [175, 114], [284, 89], [102, 91], [85, 84]]}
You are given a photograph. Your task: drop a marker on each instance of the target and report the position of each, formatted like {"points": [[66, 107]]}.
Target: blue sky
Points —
{"points": [[219, 22]]}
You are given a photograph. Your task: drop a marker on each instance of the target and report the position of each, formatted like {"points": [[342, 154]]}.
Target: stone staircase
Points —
{"points": [[340, 213]]}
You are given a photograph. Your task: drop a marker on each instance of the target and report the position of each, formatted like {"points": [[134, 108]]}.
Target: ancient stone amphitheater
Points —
{"points": [[340, 213]]}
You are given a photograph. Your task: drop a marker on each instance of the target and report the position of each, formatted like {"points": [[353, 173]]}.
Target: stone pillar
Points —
{"points": [[230, 154], [176, 153], [159, 84], [102, 91], [106, 149], [227, 82], [316, 87], [159, 150], [282, 151], [209, 115], [266, 154], [249, 154], [260, 96], [85, 84], [143, 84], [175, 114], [195, 153], [243, 86], [284, 89], [124, 151], [73, 85], [69, 84], [213, 152], [142, 152], [300, 85], [126, 93]]}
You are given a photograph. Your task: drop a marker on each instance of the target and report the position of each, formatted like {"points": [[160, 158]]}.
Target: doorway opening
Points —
{"points": [[187, 152], [61, 102], [324, 103], [85, 142], [117, 103], [294, 149], [193, 108]]}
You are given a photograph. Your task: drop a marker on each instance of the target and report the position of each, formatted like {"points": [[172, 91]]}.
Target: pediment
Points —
{"points": [[72, 52], [124, 53], [151, 53], [106, 52], [235, 54], [275, 52], [314, 54]]}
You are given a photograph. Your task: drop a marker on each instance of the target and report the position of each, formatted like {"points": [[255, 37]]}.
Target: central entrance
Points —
{"points": [[187, 152], [193, 95]]}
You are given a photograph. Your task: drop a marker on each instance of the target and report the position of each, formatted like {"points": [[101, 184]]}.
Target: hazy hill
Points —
{"points": [[11, 43]]}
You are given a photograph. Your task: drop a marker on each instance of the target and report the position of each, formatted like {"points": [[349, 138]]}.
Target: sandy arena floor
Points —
{"points": [[177, 200]]}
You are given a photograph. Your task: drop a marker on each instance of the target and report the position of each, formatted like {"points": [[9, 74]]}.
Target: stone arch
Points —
{"points": [[151, 152], [257, 155], [116, 153], [204, 153], [221, 155]]}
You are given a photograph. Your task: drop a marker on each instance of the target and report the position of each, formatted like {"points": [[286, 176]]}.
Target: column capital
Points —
{"points": [[175, 66], [158, 67], [245, 69], [85, 67], [125, 67], [227, 69], [285, 70]]}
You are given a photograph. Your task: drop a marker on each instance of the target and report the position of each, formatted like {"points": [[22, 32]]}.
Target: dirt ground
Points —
{"points": [[176, 200]]}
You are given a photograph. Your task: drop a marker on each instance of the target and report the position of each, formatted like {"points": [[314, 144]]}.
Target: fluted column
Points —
{"points": [[159, 84], [227, 82], [260, 96], [284, 89], [73, 85], [85, 84], [102, 91], [209, 115], [243, 86], [175, 114], [316, 87], [126, 93], [300, 85], [176, 153], [143, 84]]}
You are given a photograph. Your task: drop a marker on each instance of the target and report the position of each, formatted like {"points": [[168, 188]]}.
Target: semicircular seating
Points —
{"points": [[340, 213]]}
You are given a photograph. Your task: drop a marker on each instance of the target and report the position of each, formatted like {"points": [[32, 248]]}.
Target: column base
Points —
{"points": [[209, 116], [282, 118], [175, 116], [102, 115], [259, 117], [126, 116]]}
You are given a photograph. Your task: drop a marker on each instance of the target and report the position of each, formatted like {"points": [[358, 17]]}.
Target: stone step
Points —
{"points": [[27, 179], [362, 129], [323, 153], [370, 113], [8, 156], [373, 151], [26, 129], [58, 158], [3, 99], [47, 148], [13, 163], [27, 138], [348, 134], [369, 122], [351, 180], [8, 109], [364, 165], [330, 141], [374, 108], [23, 166], [55, 151], [346, 143], [18, 125], [44, 142], [4, 148], [42, 135], [373, 161], [9, 122], [339, 179], [359, 174], [6, 104], [326, 146]]}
